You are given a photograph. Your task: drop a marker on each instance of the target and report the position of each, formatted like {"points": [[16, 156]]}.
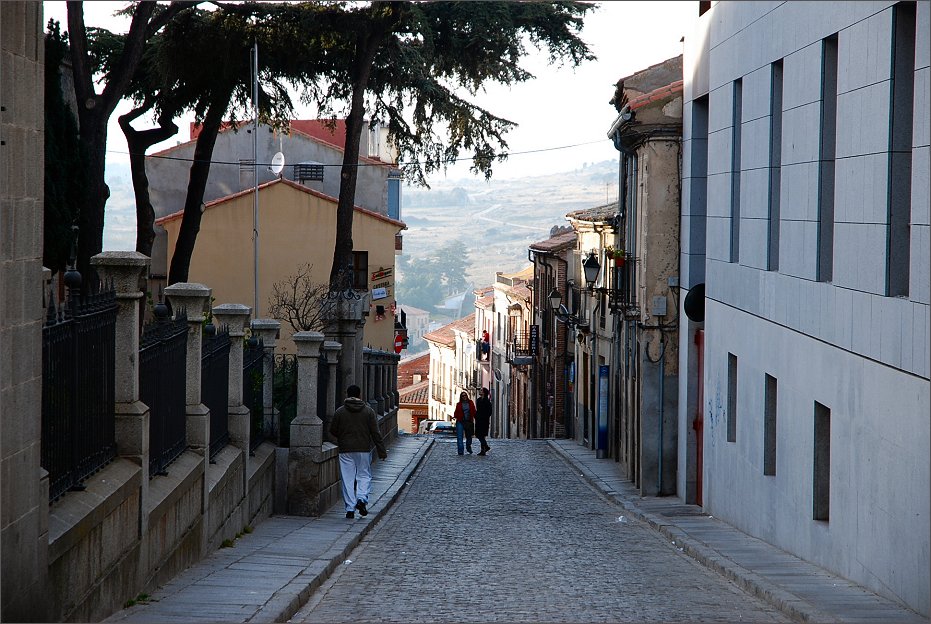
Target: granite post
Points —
{"points": [[306, 430]]}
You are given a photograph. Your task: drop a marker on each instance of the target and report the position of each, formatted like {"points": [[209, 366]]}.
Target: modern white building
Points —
{"points": [[806, 223]]}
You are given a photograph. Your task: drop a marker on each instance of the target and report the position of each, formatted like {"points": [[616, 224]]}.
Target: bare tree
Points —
{"points": [[300, 301]]}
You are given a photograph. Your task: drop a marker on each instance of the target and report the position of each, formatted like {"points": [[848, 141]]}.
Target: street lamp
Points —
{"points": [[591, 269]]}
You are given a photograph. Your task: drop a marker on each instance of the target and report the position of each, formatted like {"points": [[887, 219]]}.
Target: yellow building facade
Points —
{"points": [[297, 226]]}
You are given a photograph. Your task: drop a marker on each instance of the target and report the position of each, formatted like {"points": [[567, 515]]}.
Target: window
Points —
{"points": [[360, 270], [821, 474], [825, 267], [769, 426], [735, 170], [731, 397], [898, 239], [775, 165], [699, 190]]}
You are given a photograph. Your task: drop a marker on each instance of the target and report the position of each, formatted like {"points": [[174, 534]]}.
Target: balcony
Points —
{"points": [[468, 379], [622, 287], [522, 348]]}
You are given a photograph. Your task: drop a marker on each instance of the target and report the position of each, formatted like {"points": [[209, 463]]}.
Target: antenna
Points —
{"points": [[277, 163]]}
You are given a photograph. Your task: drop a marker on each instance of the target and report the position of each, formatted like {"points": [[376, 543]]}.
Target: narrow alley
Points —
{"points": [[518, 536]]}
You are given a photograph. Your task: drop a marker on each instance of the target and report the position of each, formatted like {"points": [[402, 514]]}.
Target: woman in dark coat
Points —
{"points": [[482, 418]]}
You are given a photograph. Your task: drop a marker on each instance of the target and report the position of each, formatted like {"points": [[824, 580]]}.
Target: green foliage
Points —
{"points": [[426, 281], [440, 50], [141, 598], [64, 185]]}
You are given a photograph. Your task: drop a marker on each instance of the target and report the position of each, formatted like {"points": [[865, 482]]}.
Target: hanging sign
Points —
{"points": [[381, 274]]}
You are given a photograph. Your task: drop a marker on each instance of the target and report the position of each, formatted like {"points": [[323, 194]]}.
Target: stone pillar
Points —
{"points": [[235, 316], [123, 269], [267, 330], [194, 299], [386, 393], [333, 400], [345, 320], [380, 384], [306, 430], [396, 358]]}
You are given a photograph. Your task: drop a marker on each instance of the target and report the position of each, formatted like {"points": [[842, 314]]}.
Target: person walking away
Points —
{"points": [[354, 429], [465, 422], [482, 420]]}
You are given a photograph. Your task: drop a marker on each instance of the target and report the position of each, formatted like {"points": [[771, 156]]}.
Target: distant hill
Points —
{"points": [[496, 219], [499, 219]]}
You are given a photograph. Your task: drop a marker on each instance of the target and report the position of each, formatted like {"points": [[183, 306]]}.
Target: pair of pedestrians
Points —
{"points": [[472, 419]]}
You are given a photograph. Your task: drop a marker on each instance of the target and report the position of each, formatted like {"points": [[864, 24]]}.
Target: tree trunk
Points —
{"points": [[197, 184], [366, 48], [138, 142], [94, 112]]}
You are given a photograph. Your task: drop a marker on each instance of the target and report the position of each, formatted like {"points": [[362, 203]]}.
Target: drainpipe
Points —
{"points": [[533, 362], [662, 377], [600, 453]]}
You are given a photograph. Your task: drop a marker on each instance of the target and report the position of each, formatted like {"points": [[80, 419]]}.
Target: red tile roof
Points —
{"points": [[446, 335], [656, 95], [414, 366], [315, 129], [556, 243], [418, 394], [177, 215], [598, 214]]}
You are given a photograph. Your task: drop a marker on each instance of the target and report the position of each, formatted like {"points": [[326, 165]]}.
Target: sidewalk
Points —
{"points": [[803, 591], [268, 574]]}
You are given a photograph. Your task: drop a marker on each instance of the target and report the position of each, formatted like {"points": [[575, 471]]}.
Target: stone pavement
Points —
{"points": [[801, 590], [268, 574]]}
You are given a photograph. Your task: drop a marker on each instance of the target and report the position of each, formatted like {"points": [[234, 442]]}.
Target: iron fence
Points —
{"points": [[253, 381], [78, 358], [162, 382], [323, 382], [284, 395], [215, 385]]}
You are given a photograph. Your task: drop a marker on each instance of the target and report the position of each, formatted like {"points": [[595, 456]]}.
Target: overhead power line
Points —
{"points": [[380, 164]]}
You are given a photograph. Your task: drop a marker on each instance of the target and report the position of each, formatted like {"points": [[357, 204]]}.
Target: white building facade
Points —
{"points": [[806, 222]]}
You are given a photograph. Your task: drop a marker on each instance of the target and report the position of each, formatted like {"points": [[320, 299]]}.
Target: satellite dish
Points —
{"points": [[277, 163], [694, 303]]}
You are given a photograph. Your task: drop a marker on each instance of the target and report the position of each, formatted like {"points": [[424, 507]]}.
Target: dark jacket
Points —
{"points": [[483, 410], [354, 428]]}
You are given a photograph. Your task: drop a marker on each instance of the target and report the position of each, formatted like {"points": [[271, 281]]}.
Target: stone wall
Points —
{"points": [[23, 491]]}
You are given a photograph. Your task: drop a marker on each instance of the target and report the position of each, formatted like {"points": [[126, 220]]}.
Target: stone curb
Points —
{"points": [[788, 603], [289, 599]]}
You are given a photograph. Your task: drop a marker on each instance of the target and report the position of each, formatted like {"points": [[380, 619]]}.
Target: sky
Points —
{"points": [[562, 106]]}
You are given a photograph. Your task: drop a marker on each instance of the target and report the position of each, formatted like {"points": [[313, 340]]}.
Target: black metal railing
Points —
{"points": [[253, 395], [215, 385], [624, 287], [284, 395], [519, 348], [78, 358], [162, 387], [323, 381]]}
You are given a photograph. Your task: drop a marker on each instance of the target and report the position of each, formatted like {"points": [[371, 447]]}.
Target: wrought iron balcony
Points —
{"points": [[521, 348]]}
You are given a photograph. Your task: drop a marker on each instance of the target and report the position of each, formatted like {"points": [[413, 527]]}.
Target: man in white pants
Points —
{"points": [[354, 429]]}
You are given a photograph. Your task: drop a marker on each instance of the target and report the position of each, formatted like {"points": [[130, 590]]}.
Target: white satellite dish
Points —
{"points": [[277, 163]]}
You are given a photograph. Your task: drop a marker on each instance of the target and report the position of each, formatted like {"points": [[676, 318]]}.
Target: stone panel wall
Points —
{"points": [[23, 492]]}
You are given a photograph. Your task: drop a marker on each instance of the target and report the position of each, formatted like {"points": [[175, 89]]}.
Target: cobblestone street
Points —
{"points": [[518, 536]]}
